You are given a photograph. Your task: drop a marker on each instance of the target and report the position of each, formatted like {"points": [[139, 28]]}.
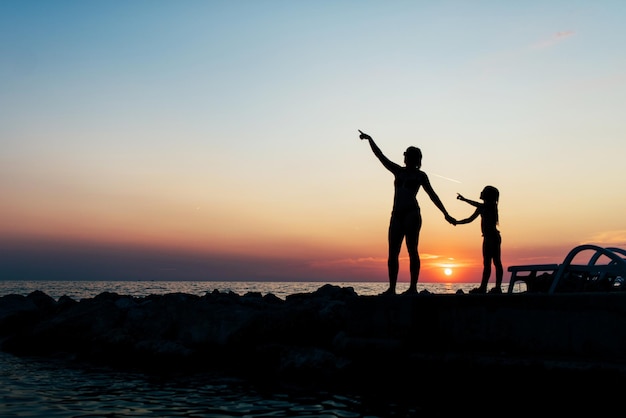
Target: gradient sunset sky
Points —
{"points": [[218, 140]]}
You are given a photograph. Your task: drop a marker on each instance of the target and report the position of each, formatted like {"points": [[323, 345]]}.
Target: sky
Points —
{"points": [[218, 140]]}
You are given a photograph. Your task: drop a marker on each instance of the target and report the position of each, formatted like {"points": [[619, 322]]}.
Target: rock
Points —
{"points": [[328, 337]]}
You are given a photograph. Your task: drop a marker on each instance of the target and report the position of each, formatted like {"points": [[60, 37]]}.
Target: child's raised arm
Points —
{"points": [[471, 202]]}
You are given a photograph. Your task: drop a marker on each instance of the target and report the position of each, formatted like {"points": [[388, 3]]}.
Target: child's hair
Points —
{"points": [[491, 194]]}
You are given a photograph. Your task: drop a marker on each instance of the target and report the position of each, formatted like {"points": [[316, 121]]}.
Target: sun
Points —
{"points": [[447, 271]]}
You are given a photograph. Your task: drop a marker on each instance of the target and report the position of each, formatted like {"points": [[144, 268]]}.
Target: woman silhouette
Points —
{"points": [[406, 219]]}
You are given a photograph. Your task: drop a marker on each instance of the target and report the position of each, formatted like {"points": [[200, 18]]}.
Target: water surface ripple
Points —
{"points": [[49, 388]]}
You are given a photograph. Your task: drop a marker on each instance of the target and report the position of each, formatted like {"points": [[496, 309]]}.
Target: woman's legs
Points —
{"points": [[394, 238], [413, 224], [408, 227]]}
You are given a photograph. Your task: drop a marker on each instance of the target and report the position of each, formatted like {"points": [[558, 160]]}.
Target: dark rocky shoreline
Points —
{"points": [[332, 339]]}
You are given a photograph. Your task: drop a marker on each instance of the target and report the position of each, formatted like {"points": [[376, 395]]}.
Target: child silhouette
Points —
{"points": [[492, 241]]}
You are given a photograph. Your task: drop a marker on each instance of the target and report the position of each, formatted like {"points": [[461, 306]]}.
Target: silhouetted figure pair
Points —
{"points": [[492, 241], [406, 219]]}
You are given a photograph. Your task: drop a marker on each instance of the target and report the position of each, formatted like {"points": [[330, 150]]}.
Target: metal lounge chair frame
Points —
{"points": [[608, 275]]}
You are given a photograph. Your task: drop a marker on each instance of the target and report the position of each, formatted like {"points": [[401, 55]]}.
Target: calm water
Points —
{"points": [[49, 388], [87, 289]]}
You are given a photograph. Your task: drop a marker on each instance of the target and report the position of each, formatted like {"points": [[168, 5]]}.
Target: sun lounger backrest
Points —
{"points": [[615, 266]]}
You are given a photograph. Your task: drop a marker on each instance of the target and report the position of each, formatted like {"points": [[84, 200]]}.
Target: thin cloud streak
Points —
{"points": [[615, 238], [447, 178]]}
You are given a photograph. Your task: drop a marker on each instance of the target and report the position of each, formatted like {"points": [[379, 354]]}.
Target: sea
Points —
{"points": [[37, 387], [87, 289]]}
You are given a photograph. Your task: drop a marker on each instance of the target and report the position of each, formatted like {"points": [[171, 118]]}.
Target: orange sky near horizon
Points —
{"points": [[307, 244]]}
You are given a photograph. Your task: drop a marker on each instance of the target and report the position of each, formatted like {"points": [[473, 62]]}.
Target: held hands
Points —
{"points": [[364, 135], [451, 220]]}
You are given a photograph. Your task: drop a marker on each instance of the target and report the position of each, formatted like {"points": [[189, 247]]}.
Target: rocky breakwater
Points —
{"points": [[333, 337]]}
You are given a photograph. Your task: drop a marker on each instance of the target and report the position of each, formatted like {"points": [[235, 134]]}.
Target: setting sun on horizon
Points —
{"points": [[219, 140]]}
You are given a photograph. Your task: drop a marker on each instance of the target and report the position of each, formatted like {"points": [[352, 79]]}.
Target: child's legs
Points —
{"points": [[492, 254], [487, 257], [497, 260]]}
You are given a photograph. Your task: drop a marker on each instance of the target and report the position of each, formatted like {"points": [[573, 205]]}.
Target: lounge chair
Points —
{"points": [[604, 271]]}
